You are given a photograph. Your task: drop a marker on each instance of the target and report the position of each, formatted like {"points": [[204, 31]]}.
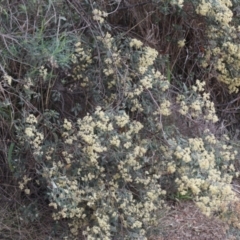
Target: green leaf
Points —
{"points": [[9, 156]]}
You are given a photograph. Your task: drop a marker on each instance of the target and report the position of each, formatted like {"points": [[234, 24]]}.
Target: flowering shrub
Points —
{"points": [[108, 166], [222, 54], [106, 169], [206, 171], [99, 173]]}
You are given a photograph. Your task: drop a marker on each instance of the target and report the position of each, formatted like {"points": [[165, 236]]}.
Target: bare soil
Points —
{"points": [[186, 222]]}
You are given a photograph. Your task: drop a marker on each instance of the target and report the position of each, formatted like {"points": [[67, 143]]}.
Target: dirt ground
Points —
{"points": [[186, 222]]}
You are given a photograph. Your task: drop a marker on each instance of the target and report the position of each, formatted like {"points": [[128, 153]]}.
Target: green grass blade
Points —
{"points": [[9, 156]]}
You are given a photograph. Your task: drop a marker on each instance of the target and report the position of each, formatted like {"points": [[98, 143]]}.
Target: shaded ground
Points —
{"points": [[186, 222], [17, 221]]}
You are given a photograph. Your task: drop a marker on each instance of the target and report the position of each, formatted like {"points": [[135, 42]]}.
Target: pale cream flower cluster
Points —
{"points": [[210, 138], [68, 137], [49, 152], [204, 8], [82, 54], [185, 183], [99, 15], [31, 119], [223, 52], [122, 120], [135, 43], [147, 59], [205, 170], [183, 153], [220, 10], [193, 107], [181, 43], [115, 141], [220, 196], [82, 59], [131, 161], [134, 92], [70, 191], [164, 109], [230, 57], [43, 72], [28, 83], [67, 125], [161, 79], [23, 183], [137, 106], [7, 79], [171, 167], [184, 108], [112, 64], [219, 191], [113, 61], [107, 40], [36, 138], [226, 55], [148, 83], [179, 3], [145, 83]]}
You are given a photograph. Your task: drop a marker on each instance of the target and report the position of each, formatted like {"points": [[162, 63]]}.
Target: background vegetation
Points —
{"points": [[112, 111]]}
